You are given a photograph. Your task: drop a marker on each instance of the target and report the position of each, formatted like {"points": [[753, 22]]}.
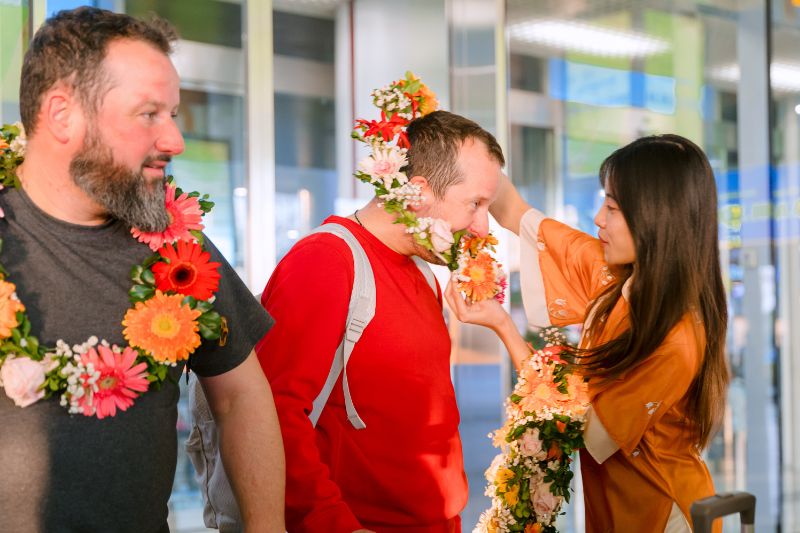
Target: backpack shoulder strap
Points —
{"points": [[360, 312], [425, 268]]}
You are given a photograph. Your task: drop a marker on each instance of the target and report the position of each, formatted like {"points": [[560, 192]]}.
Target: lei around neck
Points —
{"points": [[477, 273], [171, 314]]}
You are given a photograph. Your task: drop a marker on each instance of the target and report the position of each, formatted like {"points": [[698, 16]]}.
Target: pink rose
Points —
{"points": [[22, 379], [544, 502], [441, 235], [530, 444], [384, 167]]}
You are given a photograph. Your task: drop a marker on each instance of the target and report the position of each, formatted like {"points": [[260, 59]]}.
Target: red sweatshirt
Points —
{"points": [[405, 471]]}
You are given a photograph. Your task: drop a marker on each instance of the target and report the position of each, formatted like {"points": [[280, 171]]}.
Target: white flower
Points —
{"points": [[384, 165], [20, 141], [491, 472], [22, 379], [545, 503], [531, 445], [441, 235]]}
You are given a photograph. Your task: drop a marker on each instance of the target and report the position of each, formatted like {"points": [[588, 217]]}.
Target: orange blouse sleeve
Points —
{"points": [[635, 402], [562, 271]]}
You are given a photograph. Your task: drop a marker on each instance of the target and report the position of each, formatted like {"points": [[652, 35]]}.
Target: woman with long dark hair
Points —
{"points": [[649, 294]]}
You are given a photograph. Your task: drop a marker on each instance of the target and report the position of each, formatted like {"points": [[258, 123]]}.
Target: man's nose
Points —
{"points": [[480, 225], [171, 140]]}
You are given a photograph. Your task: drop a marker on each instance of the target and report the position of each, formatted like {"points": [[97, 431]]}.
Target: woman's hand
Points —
{"points": [[487, 313], [491, 314]]}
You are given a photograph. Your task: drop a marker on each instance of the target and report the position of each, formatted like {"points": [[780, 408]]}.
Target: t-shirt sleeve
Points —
{"points": [[247, 323], [635, 402], [562, 270], [308, 294]]}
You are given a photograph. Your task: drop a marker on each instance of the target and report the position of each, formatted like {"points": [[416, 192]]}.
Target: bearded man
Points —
{"points": [[98, 99]]}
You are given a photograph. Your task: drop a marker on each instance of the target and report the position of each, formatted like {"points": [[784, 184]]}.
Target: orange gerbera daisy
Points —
{"points": [[474, 244], [9, 305], [187, 271], [3, 144], [481, 284], [163, 326], [428, 102]]}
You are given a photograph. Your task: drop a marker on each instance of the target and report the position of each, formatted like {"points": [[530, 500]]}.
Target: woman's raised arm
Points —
{"points": [[509, 206]]}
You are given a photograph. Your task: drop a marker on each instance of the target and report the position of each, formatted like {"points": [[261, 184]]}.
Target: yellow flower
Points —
{"points": [[512, 496], [503, 476], [9, 305], [163, 326]]}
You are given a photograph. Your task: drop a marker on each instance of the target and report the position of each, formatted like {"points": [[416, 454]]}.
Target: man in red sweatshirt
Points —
{"points": [[404, 472]]}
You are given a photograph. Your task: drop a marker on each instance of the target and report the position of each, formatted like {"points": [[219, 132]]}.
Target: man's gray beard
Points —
{"points": [[123, 193]]}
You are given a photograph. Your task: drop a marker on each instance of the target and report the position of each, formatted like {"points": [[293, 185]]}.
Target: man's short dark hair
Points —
{"points": [[71, 46], [435, 140]]}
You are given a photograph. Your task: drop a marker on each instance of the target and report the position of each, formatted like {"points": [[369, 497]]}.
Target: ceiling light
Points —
{"points": [[588, 38], [784, 77]]}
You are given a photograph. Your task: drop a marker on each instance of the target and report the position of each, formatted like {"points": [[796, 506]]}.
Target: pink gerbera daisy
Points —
{"points": [[120, 380], [184, 215]]}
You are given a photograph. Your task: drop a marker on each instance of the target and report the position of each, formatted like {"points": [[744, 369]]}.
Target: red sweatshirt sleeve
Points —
{"points": [[308, 296]]}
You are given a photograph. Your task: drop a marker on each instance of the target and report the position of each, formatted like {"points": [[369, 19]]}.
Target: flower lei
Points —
{"points": [[172, 310], [528, 482], [478, 275]]}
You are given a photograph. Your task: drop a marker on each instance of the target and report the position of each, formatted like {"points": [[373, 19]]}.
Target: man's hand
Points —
{"points": [[250, 443], [363, 531]]}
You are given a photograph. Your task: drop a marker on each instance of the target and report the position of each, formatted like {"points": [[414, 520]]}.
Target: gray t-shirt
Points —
{"points": [[73, 473]]}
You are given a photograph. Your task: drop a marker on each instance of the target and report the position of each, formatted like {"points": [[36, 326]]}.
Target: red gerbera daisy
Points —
{"points": [[187, 270]]}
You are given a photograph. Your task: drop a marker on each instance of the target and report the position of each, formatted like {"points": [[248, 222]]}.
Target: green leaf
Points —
{"points": [[140, 293], [148, 278], [197, 234], [210, 325], [136, 273], [191, 301], [203, 306], [33, 345], [152, 260]]}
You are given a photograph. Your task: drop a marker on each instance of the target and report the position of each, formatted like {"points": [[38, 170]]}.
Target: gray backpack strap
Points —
{"points": [[359, 313], [425, 268]]}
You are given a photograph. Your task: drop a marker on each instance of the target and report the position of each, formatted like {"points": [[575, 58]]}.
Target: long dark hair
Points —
{"points": [[666, 191]]}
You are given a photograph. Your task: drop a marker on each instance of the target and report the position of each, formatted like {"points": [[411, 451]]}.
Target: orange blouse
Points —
{"points": [[656, 469]]}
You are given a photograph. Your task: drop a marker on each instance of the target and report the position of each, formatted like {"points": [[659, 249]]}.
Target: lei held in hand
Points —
{"points": [[477, 273], [172, 311], [528, 482]]}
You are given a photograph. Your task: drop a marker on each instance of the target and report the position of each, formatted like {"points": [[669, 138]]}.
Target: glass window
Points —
{"points": [[14, 37], [785, 155], [305, 120]]}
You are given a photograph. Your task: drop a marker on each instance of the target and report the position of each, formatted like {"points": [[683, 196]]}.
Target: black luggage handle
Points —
{"points": [[705, 511]]}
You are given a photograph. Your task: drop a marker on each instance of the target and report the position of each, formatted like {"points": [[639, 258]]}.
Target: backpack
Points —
{"points": [[219, 505]]}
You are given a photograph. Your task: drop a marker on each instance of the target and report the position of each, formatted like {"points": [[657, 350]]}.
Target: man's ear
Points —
{"points": [[60, 114], [425, 192]]}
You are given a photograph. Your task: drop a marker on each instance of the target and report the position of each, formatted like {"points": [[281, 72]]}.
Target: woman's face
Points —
{"points": [[614, 233]]}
